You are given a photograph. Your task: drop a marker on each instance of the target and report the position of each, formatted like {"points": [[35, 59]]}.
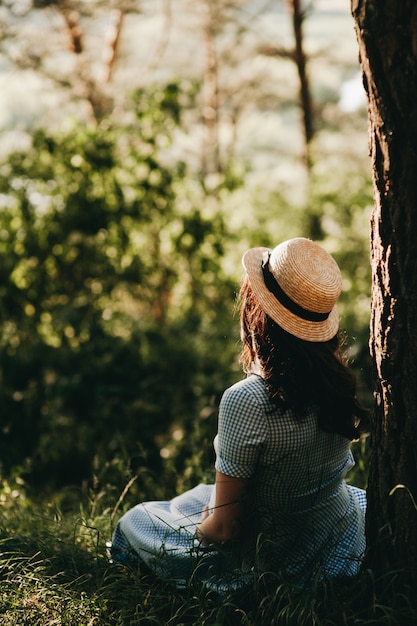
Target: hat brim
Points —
{"points": [[293, 324]]}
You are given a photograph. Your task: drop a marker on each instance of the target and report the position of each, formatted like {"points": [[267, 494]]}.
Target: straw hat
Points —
{"points": [[297, 284]]}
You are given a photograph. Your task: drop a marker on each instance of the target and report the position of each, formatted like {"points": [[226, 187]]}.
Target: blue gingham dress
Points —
{"points": [[304, 519]]}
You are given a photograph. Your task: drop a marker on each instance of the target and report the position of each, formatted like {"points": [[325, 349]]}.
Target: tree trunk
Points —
{"points": [[297, 16], [211, 94], [387, 36]]}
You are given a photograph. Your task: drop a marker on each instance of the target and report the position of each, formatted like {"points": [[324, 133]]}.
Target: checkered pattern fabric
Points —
{"points": [[304, 518]]}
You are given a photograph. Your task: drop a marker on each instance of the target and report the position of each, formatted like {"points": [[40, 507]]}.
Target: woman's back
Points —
{"points": [[299, 500]]}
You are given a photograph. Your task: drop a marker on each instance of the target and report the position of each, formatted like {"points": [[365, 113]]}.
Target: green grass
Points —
{"points": [[54, 571]]}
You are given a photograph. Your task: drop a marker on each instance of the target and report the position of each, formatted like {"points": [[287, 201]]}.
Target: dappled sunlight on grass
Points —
{"points": [[55, 570]]}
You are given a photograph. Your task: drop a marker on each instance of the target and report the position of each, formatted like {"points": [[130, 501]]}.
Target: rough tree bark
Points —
{"points": [[387, 36]]}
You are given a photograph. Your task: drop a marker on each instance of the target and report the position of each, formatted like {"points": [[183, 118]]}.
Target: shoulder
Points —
{"points": [[251, 390], [242, 427]]}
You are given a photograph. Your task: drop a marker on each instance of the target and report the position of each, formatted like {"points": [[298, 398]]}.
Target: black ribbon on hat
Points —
{"points": [[285, 300]]}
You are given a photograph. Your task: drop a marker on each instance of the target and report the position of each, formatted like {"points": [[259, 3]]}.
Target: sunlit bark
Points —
{"points": [[387, 35]]}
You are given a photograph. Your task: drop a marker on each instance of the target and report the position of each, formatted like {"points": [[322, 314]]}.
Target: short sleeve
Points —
{"points": [[242, 432]]}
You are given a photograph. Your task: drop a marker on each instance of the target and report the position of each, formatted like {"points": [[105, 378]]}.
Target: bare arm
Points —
{"points": [[227, 517]]}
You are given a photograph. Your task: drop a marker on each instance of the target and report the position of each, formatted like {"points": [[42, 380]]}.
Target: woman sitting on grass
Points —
{"points": [[280, 503]]}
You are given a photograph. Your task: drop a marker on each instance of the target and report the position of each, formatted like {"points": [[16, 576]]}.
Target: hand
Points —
{"points": [[198, 534], [205, 513]]}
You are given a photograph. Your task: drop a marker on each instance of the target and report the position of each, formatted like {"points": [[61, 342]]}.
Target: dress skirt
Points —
{"points": [[162, 535]]}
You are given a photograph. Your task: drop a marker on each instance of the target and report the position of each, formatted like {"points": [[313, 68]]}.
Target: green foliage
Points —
{"points": [[114, 303], [118, 272]]}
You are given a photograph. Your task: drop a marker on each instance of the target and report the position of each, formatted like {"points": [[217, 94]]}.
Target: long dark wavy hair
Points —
{"points": [[300, 373]]}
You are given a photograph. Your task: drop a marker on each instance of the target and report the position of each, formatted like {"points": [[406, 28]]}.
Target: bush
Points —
{"points": [[114, 304]]}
